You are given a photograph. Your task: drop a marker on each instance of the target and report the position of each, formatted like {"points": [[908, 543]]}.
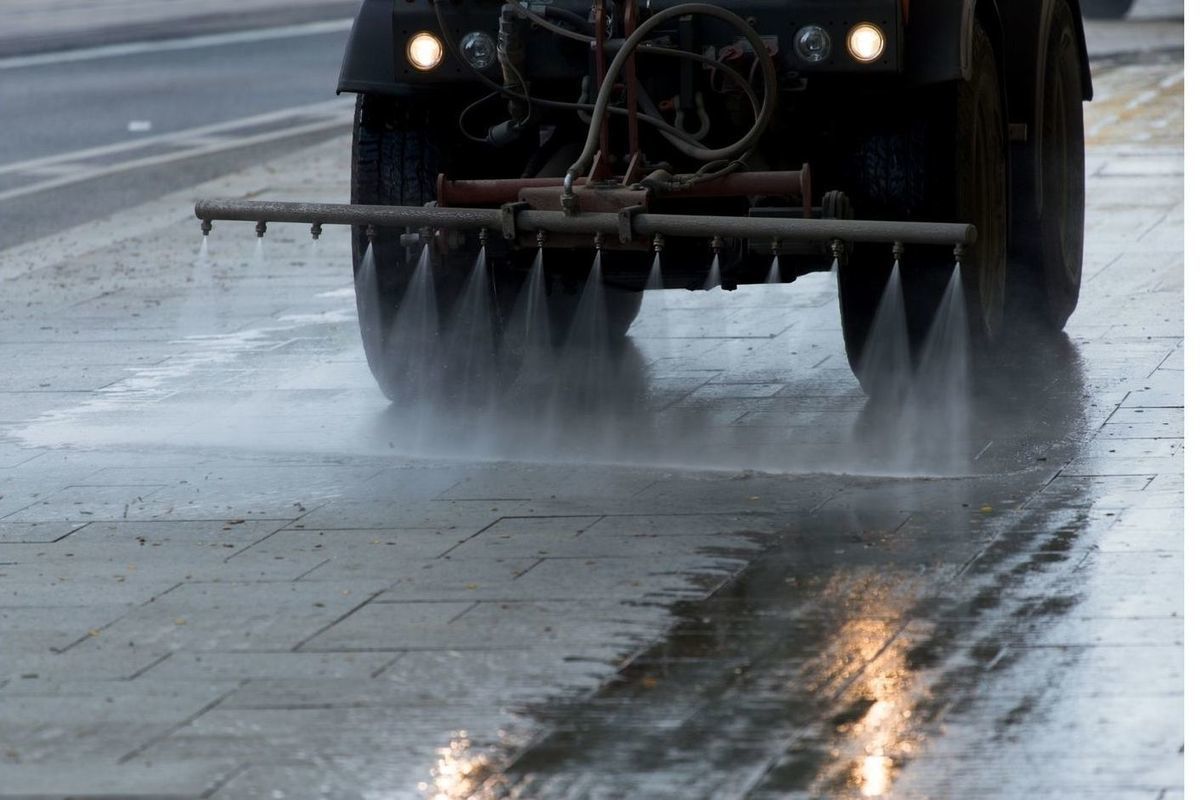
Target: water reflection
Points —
{"points": [[820, 669], [875, 773], [461, 773]]}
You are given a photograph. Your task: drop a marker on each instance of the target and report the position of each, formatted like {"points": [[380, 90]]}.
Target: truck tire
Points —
{"points": [[1106, 9], [394, 161], [1045, 277], [399, 149], [904, 173]]}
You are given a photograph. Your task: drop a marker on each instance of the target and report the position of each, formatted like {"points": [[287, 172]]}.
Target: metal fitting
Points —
{"points": [[838, 248], [570, 201], [897, 250], [206, 226], [371, 233], [776, 246], [718, 244], [598, 240], [315, 230], [426, 236], [483, 237], [541, 239], [959, 251], [260, 229], [659, 242]]}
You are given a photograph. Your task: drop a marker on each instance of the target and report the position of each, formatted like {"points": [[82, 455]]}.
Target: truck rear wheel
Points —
{"points": [[395, 160], [1045, 277], [905, 174]]}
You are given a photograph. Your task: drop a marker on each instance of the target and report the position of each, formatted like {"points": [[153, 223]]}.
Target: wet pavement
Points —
{"points": [[228, 570]]}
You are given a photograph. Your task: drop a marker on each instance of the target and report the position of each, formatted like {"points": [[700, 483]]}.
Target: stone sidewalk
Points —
{"points": [[221, 576]]}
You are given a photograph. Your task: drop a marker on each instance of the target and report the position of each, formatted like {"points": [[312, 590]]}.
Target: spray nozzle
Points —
{"points": [[315, 230], [261, 229], [206, 227]]}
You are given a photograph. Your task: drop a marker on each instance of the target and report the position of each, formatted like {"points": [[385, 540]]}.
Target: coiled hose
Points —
{"points": [[733, 152]]}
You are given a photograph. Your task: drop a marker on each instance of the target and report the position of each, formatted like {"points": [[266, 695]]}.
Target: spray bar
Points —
{"points": [[515, 218]]}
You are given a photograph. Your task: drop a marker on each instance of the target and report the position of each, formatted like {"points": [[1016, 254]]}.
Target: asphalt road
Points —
{"points": [[229, 569], [139, 114]]}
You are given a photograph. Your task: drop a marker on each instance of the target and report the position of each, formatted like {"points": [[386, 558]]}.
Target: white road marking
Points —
{"points": [[66, 168], [54, 170], [322, 109], [185, 43]]}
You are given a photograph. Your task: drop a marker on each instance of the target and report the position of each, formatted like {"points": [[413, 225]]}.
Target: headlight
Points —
{"points": [[424, 51], [478, 49], [813, 44], [865, 42]]}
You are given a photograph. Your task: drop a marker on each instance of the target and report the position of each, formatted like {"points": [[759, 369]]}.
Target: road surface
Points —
{"points": [[228, 569]]}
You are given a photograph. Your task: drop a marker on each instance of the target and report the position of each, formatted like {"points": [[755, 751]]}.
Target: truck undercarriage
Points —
{"points": [[763, 140]]}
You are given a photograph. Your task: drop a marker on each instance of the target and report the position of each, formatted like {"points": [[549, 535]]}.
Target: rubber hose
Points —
{"points": [[741, 146]]}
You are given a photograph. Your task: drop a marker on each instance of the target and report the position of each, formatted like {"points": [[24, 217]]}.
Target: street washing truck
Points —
{"points": [[693, 144]]}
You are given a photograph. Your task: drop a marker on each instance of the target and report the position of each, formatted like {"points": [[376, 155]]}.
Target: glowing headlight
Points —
{"points": [[813, 44], [865, 42], [478, 49], [424, 51]]}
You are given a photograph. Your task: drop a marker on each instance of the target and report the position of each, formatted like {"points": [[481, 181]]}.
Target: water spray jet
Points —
{"points": [[714, 271]]}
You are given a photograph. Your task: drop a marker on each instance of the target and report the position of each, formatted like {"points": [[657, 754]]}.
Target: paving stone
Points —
{"points": [[120, 718], [683, 524], [529, 537], [298, 733], [286, 665], [79, 777], [485, 625], [36, 532], [240, 616], [350, 554], [87, 503]]}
